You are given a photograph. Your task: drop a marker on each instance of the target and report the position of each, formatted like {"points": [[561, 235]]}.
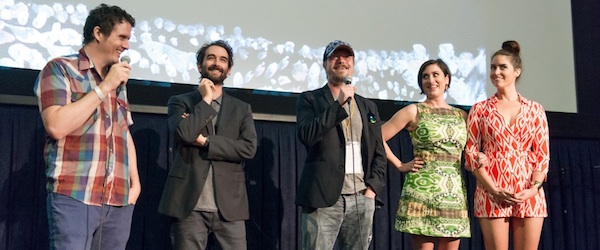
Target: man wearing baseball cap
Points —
{"points": [[345, 165]]}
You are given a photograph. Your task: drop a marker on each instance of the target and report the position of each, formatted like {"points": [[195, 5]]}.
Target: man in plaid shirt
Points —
{"points": [[91, 168]]}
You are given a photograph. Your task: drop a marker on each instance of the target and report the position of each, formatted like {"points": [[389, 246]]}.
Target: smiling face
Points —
{"points": [[434, 81], [110, 47], [339, 65], [437, 75], [215, 65], [502, 72]]}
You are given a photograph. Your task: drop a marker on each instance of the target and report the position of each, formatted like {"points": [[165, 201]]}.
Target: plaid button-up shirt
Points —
{"points": [[94, 156]]}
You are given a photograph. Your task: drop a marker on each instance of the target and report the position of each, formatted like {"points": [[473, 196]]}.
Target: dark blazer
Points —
{"points": [[318, 125], [232, 142]]}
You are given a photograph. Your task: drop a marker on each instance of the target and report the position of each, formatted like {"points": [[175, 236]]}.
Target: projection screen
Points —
{"points": [[278, 45]]}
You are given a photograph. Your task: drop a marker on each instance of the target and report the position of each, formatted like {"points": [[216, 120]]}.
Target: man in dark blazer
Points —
{"points": [[345, 166], [213, 135]]}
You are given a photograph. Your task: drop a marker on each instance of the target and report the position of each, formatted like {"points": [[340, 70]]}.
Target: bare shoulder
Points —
{"points": [[405, 117]]}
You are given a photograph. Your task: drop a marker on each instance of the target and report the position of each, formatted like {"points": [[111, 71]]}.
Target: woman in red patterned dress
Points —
{"points": [[508, 152]]}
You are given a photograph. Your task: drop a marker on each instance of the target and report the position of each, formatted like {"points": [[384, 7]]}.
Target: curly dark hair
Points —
{"points": [[221, 43], [105, 17]]}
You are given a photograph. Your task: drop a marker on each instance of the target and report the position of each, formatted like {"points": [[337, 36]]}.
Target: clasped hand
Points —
{"points": [[503, 195]]}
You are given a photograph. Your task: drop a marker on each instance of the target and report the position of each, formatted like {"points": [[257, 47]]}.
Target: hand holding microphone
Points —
{"points": [[346, 91], [118, 74], [348, 80], [126, 60]]}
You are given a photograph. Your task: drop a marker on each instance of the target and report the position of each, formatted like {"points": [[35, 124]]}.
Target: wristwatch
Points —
{"points": [[536, 184]]}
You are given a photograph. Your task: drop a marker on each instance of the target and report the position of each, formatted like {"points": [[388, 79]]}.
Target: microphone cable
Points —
{"points": [[272, 245], [102, 208], [350, 130], [107, 166]]}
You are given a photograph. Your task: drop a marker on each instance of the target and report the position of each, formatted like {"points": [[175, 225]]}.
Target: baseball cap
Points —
{"points": [[337, 44]]}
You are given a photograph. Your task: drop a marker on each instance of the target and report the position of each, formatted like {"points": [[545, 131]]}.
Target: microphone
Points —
{"points": [[126, 59], [348, 80]]}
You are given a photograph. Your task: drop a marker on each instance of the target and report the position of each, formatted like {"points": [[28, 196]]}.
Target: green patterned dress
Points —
{"points": [[434, 200]]}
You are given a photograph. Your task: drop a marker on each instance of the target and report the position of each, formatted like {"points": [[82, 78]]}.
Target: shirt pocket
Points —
{"points": [[88, 126]]}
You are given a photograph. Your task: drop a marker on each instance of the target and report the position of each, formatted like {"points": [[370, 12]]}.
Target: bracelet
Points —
{"points": [[99, 93], [536, 184], [479, 165]]}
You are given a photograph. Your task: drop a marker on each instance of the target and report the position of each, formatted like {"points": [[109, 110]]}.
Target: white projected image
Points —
{"points": [[163, 50]]}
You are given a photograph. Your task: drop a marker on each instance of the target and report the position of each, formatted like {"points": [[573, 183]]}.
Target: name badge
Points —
{"points": [[353, 158]]}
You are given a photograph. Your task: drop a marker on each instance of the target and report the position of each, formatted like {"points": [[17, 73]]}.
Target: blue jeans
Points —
{"points": [[351, 217], [75, 225]]}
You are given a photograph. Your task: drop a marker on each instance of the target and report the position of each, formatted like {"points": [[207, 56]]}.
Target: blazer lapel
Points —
{"points": [[362, 108], [326, 93], [364, 114]]}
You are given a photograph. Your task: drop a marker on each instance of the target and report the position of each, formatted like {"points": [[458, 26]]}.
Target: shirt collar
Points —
{"points": [[84, 61], [219, 99], [520, 97]]}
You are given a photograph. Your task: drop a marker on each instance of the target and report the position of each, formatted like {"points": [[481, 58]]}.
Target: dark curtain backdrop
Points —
{"points": [[271, 179]]}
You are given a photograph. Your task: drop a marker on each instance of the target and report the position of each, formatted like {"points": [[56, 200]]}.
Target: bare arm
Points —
{"points": [[60, 121], [405, 118], [135, 187]]}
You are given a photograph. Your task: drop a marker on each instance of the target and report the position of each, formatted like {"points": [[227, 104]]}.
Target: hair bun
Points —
{"points": [[511, 46]]}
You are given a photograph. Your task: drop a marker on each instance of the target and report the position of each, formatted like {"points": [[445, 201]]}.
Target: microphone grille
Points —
{"points": [[348, 79], [126, 59]]}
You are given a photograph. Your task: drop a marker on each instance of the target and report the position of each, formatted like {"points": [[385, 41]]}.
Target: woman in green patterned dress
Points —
{"points": [[433, 204]]}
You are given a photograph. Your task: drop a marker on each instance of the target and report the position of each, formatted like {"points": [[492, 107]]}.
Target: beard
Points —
{"points": [[337, 74], [336, 78], [215, 78]]}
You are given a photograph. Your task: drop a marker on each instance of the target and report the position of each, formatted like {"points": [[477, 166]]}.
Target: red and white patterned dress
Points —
{"points": [[514, 152]]}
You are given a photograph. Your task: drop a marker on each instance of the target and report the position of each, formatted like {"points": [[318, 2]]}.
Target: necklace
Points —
{"points": [[348, 121]]}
